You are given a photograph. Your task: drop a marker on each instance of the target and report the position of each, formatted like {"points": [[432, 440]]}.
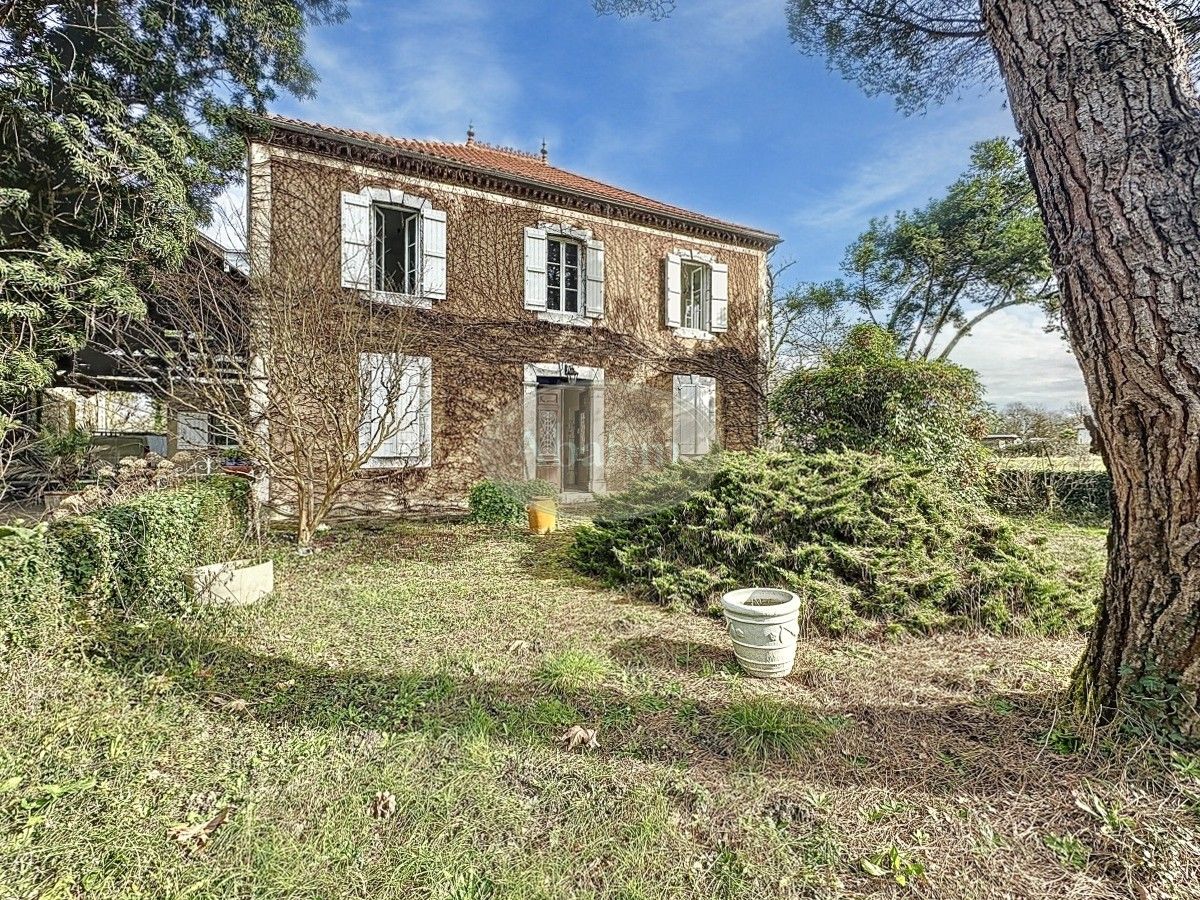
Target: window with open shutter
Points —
{"points": [[357, 251], [394, 245], [695, 416], [433, 247], [696, 294], [535, 268], [191, 431], [397, 415]]}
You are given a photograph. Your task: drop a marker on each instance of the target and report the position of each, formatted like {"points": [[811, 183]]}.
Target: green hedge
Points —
{"points": [[1070, 494], [126, 558], [32, 612], [158, 536], [87, 556]]}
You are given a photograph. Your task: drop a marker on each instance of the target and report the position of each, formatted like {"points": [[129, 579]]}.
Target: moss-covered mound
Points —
{"points": [[862, 537]]}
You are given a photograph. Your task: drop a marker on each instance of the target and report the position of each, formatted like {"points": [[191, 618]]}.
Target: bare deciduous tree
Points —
{"points": [[313, 386], [806, 321]]}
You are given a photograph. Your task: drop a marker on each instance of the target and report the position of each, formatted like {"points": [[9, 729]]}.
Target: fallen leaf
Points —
{"points": [[238, 705], [285, 685], [578, 736], [196, 836], [520, 647], [383, 805], [872, 868]]}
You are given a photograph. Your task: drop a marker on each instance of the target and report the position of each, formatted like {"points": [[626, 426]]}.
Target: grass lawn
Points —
{"points": [[389, 725]]}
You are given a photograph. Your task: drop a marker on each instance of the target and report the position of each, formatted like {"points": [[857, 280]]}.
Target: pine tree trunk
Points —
{"points": [[1108, 115]]}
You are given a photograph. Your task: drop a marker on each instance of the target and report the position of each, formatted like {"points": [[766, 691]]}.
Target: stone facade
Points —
{"points": [[491, 356]]}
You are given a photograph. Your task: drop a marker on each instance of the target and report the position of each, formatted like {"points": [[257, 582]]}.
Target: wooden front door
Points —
{"points": [[564, 436], [549, 435]]}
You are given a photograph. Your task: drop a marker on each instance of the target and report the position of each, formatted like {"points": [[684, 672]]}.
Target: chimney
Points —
{"points": [[470, 133]]}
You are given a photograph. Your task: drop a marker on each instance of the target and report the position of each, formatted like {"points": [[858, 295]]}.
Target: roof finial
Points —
{"points": [[471, 133], [545, 152]]}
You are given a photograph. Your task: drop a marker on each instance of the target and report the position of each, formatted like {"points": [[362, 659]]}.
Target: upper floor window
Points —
{"points": [[562, 275], [695, 294], [696, 288], [393, 245], [397, 255]]}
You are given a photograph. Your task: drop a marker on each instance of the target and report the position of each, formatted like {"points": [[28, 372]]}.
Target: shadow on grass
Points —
{"points": [[546, 557], [681, 656], [955, 748]]}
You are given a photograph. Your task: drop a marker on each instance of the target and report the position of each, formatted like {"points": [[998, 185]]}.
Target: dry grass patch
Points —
{"points": [[439, 666]]}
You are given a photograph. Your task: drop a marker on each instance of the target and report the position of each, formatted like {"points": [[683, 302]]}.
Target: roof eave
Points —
{"points": [[753, 235]]}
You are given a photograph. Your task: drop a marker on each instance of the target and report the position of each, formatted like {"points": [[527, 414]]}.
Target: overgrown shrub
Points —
{"points": [[60, 580], [1073, 495], [87, 558], [867, 396], [494, 502], [861, 537], [32, 611], [161, 535]]}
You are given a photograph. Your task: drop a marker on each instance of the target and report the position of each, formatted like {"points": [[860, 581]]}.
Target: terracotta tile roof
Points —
{"points": [[518, 164]]}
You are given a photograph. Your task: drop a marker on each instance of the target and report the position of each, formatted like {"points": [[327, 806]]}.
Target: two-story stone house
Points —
{"points": [[565, 329]]}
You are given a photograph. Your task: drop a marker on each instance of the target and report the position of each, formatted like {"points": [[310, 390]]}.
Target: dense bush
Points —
{"points": [[1070, 494], [866, 396], [160, 535], [87, 553], [503, 502], [859, 536], [32, 612], [126, 558]]}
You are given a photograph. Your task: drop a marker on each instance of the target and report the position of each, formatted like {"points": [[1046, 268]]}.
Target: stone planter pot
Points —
{"points": [[543, 514], [763, 624], [235, 583]]}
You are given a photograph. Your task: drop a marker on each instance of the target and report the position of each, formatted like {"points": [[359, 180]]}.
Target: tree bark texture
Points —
{"points": [[1107, 110]]}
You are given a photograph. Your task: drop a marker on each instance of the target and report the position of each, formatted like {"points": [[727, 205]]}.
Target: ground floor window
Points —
{"points": [[694, 415], [396, 416]]}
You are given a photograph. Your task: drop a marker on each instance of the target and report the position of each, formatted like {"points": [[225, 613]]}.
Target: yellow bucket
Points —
{"points": [[543, 514]]}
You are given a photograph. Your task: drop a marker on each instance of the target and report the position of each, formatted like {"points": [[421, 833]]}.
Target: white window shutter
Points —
{"points": [[720, 297], [425, 367], [594, 292], [375, 375], [356, 241], [433, 253], [191, 431], [673, 290], [706, 414], [695, 416], [405, 382], [409, 414], [535, 268]]}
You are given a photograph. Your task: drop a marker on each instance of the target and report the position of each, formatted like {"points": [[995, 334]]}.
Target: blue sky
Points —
{"points": [[712, 109]]}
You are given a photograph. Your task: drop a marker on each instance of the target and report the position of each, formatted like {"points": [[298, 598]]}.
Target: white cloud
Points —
{"points": [[1018, 361], [422, 68]]}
